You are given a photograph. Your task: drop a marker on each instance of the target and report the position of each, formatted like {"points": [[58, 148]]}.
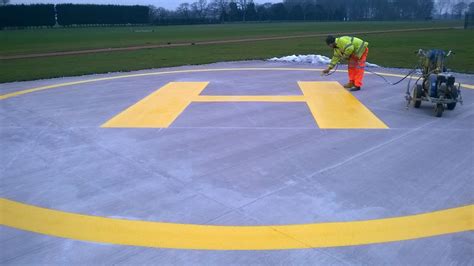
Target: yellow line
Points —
{"points": [[189, 236], [468, 86], [335, 107], [256, 98], [54, 86], [159, 109]]}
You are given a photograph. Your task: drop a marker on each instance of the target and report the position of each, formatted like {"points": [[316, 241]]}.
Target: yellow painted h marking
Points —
{"points": [[331, 105]]}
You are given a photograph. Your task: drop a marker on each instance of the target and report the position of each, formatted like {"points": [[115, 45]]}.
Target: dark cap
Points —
{"points": [[330, 39]]}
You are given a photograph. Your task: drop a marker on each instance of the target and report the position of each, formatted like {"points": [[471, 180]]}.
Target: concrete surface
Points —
{"points": [[233, 164]]}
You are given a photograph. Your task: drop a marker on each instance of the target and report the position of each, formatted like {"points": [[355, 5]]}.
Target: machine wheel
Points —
{"points": [[439, 109], [453, 95], [417, 93], [451, 106]]}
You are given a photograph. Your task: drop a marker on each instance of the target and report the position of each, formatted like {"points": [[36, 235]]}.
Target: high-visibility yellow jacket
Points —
{"points": [[345, 47]]}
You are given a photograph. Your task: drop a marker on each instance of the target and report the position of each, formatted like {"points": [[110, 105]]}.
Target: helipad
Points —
{"points": [[237, 163]]}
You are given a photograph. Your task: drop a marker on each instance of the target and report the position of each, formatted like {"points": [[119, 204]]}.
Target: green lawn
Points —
{"points": [[66, 39], [388, 49]]}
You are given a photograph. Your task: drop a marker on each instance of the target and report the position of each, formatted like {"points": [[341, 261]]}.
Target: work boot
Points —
{"points": [[355, 88], [349, 85]]}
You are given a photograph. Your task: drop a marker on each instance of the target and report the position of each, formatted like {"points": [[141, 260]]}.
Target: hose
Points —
{"points": [[393, 84], [412, 71]]}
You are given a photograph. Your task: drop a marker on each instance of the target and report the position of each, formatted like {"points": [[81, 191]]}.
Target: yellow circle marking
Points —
{"points": [[210, 237], [188, 236], [18, 93]]}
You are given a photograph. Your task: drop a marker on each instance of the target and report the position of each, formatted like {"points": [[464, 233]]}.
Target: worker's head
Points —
{"points": [[331, 41]]}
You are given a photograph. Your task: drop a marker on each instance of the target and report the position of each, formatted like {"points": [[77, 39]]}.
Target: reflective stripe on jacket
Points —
{"points": [[345, 47]]}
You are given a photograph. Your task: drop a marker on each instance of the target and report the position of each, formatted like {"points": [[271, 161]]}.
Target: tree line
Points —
{"points": [[222, 11], [310, 10], [71, 14], [453, 8], [27, 16]]}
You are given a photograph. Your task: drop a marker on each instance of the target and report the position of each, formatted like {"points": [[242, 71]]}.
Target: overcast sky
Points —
{"points": [[169, 4]]}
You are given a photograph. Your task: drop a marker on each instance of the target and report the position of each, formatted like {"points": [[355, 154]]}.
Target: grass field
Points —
{"points": [[387, 49]]}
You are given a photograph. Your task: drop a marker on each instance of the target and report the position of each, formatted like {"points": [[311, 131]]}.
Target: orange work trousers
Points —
{"points": [[356, 68]]}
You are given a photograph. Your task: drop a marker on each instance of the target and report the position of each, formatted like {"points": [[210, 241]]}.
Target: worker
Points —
{"points": [[353, 49]]}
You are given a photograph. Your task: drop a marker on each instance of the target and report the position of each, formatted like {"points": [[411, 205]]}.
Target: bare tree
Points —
{"points": [[425, 9], [158, 14], [184, 10], [444, 6], [200, 8], [4, 2], [218, 8], [459, 9], [243, 6]]}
